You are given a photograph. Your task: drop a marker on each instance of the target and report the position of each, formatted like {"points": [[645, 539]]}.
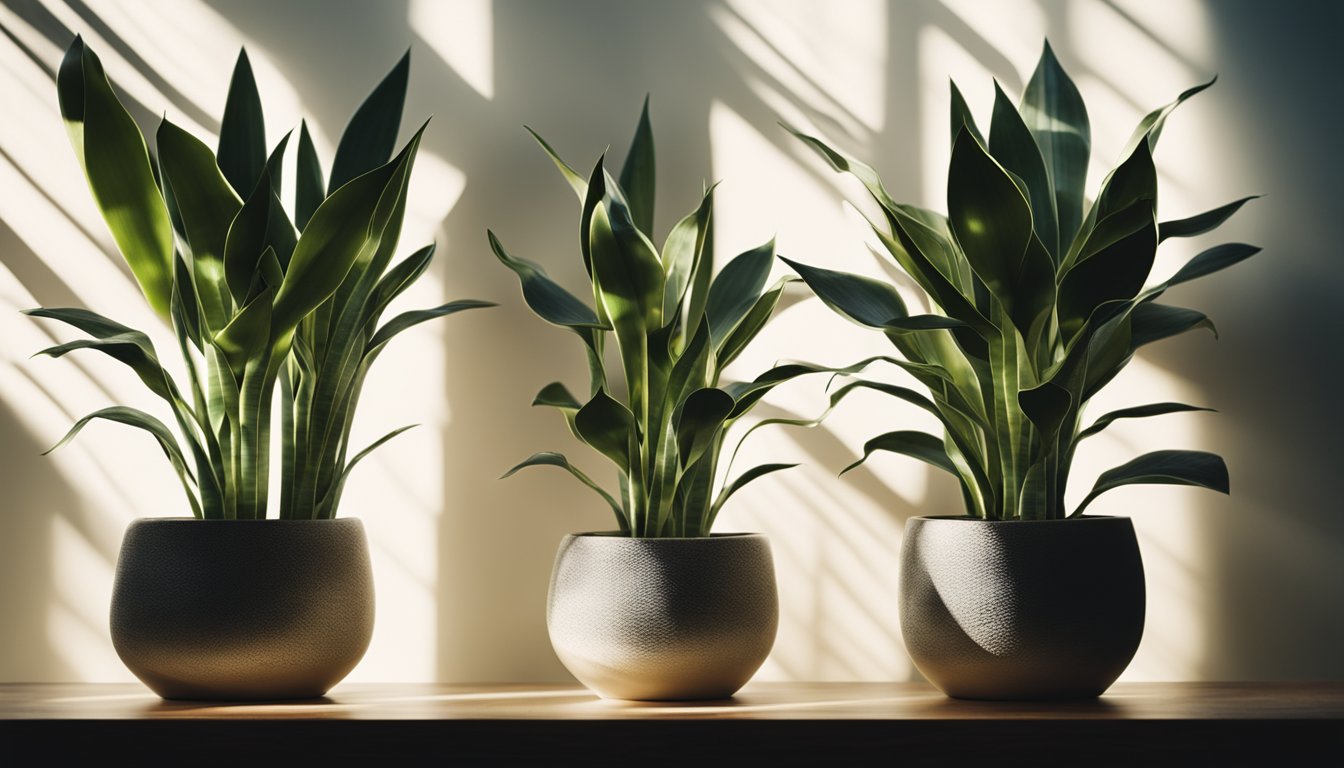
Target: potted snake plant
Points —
{"points": [[227, 604], [1040, 297], [660, 608]]}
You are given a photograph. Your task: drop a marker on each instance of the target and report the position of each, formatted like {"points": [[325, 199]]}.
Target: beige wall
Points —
{"points": [[1243, 587]]}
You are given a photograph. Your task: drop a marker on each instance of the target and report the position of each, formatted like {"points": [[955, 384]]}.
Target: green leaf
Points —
{"points": [[639, 174], [683, 252], [1197, 468], [246, 239], [1012, 144], [629, 282], [606, 425], [861, 299], [1151, 322], [1204, 222], [751, 325], [1212, 260], [701, 422], [242, 132], [1150, 127], [917, 445], [736, 288], [1046, 406], [916, 323], [1118, 271], [208, 206], [347, 227], [141, 420], [961, 115], [989, 216], [408, 319], [1138, 412], [552, 303], [326, 509], [248, 335], [1054, 111], [112, 152], [553, 459], [746, 477], [576, 182], [371, 135], [308, 194]]}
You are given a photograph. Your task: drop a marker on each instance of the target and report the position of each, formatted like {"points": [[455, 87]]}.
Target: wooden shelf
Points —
{"points": [[785, 723]]}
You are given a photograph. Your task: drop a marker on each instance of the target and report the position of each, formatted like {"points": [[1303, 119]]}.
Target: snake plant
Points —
{"points": [[252, 301], [1040, 298], [661, 414]]}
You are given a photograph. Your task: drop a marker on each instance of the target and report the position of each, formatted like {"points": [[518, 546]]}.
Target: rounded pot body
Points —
{"points": [[663, 619], [242, 609], [1037, 609]]}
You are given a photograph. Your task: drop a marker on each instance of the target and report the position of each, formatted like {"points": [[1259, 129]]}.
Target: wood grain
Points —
{"points": [[786, 723]]}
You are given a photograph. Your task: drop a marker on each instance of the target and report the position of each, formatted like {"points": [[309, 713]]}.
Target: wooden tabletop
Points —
{"points": [[788, 723]]}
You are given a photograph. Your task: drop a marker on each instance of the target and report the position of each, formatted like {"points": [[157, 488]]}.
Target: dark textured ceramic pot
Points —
{"points": [[1016, 610], [242, 609], [663, 619]]}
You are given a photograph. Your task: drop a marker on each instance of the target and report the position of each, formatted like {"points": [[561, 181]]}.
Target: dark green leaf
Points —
{"points": [[1204, 222], [1212, 260], [1046, 406], [1054, 111], [861, 299], [639, 174], [605, 424], [407, 319], [989, 216], [751, 325], [1138, 412], [1116, 272], [1197, 468], [961, 115], [683, 253], [552, 303], [552, 459], [701, 422], [1151, 322], [308, 193], [746, 477], [242, 132], [736, 288], [576, 181], [371, 134], [1012, 144], [248, 334], [917, 445]]}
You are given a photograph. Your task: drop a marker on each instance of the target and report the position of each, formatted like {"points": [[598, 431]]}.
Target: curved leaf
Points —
{"points": [[371, 134], [746, 477], [407, 319], [917, 445], [1212, 260], [1151, 322], [1197, 468], [1204, 222], [576, 182], [736, 288], [606, 425], [989, 215], [961, 115], [553, 459], [326, 509], [1138, 412], [751, 324], [1012, 144], [308, 194], [112, 153], [683, 253], [861, 299], [701, 422], [552, 303]]}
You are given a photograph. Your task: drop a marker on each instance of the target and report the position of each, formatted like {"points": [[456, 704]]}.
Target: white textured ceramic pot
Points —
{"points": [[242, 609], [1015, 610], [663, 619]]}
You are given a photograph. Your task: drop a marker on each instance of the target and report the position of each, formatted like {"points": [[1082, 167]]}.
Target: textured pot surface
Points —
{"points": [[1021, 609], [663, 619], [242, 609]]}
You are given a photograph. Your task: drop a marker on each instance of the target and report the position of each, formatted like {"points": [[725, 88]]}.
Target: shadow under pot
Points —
{"points": [[242, 609], [1018, 610], [663, 619]]}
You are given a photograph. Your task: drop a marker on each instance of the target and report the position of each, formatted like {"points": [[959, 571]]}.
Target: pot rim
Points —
{"points": [[969, 519], [622, 536], [272, 520]]}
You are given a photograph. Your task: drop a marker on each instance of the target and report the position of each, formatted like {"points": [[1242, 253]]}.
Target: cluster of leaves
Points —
{"points": [[676, 326], [252, 299], [1041, 298]]}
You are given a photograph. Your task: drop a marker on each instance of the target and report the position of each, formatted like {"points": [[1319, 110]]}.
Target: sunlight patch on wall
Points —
{"points": [[462, 33], [941, 57], [77, 620], [1014, 28]]}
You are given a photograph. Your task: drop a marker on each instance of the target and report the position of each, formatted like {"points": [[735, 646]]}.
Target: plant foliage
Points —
{"points": [[253, 300], [662, 412], [1041, 297]]}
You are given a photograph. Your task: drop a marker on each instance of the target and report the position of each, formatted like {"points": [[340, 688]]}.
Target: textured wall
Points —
{"points": [[1241, 587]]}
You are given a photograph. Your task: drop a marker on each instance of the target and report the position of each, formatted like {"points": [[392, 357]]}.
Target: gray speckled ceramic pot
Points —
{"points": [[663, 619], [1046, 609], [242, 609]]}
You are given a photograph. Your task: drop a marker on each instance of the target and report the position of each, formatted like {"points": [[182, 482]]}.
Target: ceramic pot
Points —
{"points": [[1016, 610], [663, 619], [242, 609]]}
